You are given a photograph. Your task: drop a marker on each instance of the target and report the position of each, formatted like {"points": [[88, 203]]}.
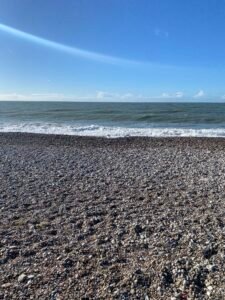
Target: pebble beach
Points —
{"points": [[97, 218]]}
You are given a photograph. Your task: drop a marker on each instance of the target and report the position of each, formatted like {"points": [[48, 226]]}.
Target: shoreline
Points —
{"points": [[16, 136], [98, 218]]}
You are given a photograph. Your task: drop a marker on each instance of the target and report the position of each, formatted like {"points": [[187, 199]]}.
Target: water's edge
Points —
{"points": [[112, 132]]}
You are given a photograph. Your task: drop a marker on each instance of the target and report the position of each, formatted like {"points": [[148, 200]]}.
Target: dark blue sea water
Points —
{"points": [[114, 119]]}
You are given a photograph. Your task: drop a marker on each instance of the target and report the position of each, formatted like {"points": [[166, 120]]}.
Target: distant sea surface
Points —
{"points": [[114, 119]]}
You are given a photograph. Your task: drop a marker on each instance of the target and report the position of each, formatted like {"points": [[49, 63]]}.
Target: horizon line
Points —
{"points": [[128, 102]]}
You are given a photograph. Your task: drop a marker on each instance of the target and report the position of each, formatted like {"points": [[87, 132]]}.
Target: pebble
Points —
{"points": [[22, 278], [6, 285]]}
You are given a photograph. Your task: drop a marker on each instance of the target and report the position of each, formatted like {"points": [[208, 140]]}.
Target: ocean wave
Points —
{"points": [[110, 131]]}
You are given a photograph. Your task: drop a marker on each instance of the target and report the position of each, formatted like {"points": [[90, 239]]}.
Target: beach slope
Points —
{"points": [[95, 218]]}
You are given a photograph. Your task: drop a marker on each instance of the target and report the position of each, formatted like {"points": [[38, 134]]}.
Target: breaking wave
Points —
{"points": [[110, 131]]}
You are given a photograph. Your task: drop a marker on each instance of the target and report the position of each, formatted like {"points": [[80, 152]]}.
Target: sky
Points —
{"points": [[114, 50]]}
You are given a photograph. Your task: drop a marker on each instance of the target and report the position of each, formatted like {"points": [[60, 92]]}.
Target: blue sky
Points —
{"points": [[114, 50]]}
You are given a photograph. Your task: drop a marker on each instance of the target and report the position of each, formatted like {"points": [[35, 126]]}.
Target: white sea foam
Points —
{"points": [[109, 131]]}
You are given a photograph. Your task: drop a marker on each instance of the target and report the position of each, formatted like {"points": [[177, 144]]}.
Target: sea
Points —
{"points": [[114, 120]]}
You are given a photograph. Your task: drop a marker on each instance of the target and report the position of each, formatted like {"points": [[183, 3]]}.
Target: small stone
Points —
{"points": [[6, 285], [22, 278], [68, 263], [12, 254], [138, 229], [212, 268], [132, 291], [28, 253], [3, 261], [52, 232], [208, 252]]}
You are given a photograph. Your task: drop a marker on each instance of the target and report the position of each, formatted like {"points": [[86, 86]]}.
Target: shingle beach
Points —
{"points": [[96, 218]]}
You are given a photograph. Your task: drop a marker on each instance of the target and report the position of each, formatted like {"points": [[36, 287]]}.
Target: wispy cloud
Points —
{"points": [[86, 54], [106, 96], [98, 96], [90, 55], [179, 95], [31, 97], [199, 94], [68, 49], [102, 96], [161, 33], [111, 96], [173, 96]]}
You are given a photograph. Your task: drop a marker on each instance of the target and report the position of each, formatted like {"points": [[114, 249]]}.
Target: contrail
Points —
{"points": [[68, 49]]}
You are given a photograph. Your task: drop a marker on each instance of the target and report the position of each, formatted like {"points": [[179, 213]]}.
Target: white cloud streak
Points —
{"points": [[102, 96], [31, 97], [199, 94], [82, 53], [172, 96], [67, 49], [161, 33]]}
